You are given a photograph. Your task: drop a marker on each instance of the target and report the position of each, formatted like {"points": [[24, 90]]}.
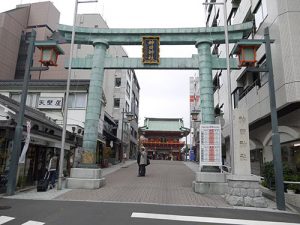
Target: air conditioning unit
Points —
{"points": [[77, 130]]}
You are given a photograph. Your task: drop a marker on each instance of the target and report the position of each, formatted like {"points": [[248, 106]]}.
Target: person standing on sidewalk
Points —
{"points": [[52, 170], [143, 162], [138, 159]]}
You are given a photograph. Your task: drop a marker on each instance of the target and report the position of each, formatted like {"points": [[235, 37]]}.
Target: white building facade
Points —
{"points": [[250, 90]]}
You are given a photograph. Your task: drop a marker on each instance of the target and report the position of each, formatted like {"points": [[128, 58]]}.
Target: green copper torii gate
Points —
{"points": [[101, 39]]}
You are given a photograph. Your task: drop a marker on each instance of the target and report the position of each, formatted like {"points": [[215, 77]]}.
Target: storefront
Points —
{"points": [[44, 138]]}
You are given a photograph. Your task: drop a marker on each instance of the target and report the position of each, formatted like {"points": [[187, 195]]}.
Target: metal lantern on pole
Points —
{"points": [[12, 176], [49, 52], [246, 51], [194, 114]]}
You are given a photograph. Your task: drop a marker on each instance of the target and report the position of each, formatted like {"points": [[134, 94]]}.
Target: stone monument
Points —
{"points": [[243, 188]]}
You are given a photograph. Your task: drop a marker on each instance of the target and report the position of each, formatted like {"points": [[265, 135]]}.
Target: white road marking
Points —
{"points": [[31, 222], [5, 219], [206, 219]]}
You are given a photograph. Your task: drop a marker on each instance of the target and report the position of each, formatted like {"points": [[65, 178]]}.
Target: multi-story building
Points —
{"points": [[120, 87], [250, 90]]}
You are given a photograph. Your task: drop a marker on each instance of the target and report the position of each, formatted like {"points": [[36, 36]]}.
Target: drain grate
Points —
{"points": [[4, 207]]}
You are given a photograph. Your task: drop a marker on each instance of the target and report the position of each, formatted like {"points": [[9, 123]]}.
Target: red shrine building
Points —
{"points": [[162, 137]]}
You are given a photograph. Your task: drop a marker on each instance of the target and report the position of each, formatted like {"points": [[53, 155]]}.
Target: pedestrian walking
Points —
{"points": [[142, 162], [52, 169]]}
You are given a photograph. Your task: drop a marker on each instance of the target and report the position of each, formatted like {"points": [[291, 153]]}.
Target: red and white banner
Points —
{"points": [[210, 145], [27, 141]]}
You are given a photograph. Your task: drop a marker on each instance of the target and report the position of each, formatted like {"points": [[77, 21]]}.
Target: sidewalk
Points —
{"points": [[54, 193]]}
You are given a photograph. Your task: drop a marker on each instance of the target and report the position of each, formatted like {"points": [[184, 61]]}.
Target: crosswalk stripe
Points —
{"points": [[5, 219], [31, 222], [206, 219]]}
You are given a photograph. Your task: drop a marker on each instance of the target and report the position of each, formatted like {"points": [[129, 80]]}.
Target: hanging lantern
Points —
{"points": [[49, 52], [246, 51], [194, 114]]}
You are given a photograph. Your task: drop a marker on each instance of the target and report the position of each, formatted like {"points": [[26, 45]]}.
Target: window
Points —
{"points": [[127, 107], [129, 74], [116, 103], [231, 16], [16, 97], [77, 100], [260, 13], [31, 99], [128, 89], [136, 103], [117, 82], [263, 76]]}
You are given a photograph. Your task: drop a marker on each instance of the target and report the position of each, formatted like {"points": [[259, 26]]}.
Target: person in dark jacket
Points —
{"points": [[138, 159], [52, 169]]}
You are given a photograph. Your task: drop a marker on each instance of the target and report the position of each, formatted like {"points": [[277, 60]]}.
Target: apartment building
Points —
{"points": [[250, 90]]}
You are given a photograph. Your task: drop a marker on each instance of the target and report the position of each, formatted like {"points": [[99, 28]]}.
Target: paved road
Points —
{"points": [[166, 182], [164, 197], [39, 212]]}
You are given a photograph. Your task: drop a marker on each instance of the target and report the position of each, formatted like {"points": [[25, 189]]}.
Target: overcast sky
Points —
{"points": [[164, 93]]}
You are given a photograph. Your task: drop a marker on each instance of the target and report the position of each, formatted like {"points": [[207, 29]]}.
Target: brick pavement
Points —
{"points": [[166, 182]]}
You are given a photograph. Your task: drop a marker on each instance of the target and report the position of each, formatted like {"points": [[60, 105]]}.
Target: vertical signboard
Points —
{"points": [[210, 145], [151, 49]]}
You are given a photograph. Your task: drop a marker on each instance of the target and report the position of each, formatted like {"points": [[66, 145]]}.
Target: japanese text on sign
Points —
{"points": [[50, 103], [210, 145], [151, 50]]}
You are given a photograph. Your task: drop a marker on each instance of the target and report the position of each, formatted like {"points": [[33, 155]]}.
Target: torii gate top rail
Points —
{"points": [[168, 36]]}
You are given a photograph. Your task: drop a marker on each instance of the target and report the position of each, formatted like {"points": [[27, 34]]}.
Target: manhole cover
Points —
{"points": [[4, 207]]}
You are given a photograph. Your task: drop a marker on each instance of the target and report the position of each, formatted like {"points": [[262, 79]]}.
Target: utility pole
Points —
{"points": [[13, 166], [280, 200]]}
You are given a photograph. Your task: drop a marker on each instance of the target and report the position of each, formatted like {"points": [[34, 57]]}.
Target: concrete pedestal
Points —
{"points": [[244, 191], [210, 183], [85, 178]]}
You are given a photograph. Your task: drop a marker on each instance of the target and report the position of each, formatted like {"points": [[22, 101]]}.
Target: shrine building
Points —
{"points": [[161, 137]]}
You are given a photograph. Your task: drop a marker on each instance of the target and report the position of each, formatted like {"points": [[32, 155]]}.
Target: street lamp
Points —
{"points": [[231, 140], [194, 114], [13, 166], [65, 114], [248, 58], [129, 117]]}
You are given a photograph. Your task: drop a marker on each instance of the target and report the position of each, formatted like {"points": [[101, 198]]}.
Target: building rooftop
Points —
{"points": [[164, 125]]}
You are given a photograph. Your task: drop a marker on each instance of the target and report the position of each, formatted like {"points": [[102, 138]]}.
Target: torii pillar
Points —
{"points": [[88, 175], [208, 179]]}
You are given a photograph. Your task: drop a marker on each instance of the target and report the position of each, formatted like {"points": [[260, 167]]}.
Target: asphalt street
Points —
{"points": [[164, 197], [94, 213]]}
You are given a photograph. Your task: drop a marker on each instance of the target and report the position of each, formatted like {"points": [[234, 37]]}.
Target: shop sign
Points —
{"points": [[151, 46], [210, 145], [50, 103]]}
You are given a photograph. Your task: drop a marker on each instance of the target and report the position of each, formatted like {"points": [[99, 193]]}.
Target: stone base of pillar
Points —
{"points": [[210, 183], [244, 191], [85, 178]]}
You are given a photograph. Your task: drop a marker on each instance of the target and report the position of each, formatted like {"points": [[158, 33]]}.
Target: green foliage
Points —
{"points": [[269, 175], [288, 175]]}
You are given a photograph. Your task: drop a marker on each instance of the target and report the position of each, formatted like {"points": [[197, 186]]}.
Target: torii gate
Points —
{"points": [[101, 39]]}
